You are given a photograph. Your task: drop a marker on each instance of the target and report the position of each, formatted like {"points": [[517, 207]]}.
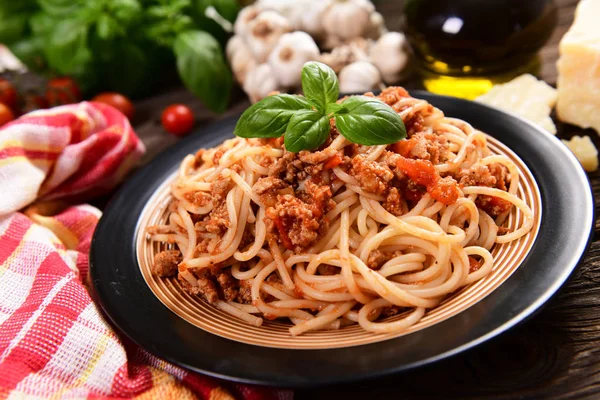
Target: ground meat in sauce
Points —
{"points": [[219, 189], [245, 292], [213, 284], [218, 220], [425, 146], [293, 170], [319, 196], [165, 263], [500, 172], [393, 202], [315, 157], [198, 198], [294, 222], [268, 188], [206, 289], [494, 175], [377, 258], [228, 284], [372, 176], [477, 175], [494, 206]]}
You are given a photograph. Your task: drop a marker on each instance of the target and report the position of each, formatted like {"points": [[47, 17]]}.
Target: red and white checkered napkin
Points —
{"points": [[54, 342]]}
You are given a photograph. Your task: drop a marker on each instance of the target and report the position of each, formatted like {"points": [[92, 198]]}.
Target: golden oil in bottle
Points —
{"points": [[463, 47]]}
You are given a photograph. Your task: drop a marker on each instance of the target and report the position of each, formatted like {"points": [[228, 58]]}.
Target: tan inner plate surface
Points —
{"points": [[507, 259]]}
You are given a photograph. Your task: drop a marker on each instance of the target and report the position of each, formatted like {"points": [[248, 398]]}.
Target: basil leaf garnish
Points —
{"points": [[305, 120], [269, 117], [335, 108], [320, 84], [369, 121], [307, 130]]}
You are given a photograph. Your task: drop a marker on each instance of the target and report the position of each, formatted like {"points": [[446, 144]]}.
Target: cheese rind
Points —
{"points": [[525, 96], [579, 69], [585, 151]]}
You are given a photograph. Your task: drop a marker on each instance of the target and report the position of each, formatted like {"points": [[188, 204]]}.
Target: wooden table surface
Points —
{"points": [[555, 354]]}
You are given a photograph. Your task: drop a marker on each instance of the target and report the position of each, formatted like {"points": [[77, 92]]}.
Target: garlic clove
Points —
{"points": [[290, 9], [359, 77], [367, 5], [289, 55], [311, 17], [347, 19], [260, 81], [390, 56], [233, 45], [241, 63], [263, 33], [245, 16], [376, 26]]}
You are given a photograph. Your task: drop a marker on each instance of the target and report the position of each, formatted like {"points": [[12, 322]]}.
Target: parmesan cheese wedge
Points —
{"points": [[585, 151], [579, 69], [525, 96]]}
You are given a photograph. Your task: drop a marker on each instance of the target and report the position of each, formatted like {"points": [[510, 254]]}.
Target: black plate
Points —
{"points": [[564, 234]]}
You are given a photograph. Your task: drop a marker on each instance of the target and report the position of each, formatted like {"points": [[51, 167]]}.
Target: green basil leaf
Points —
{"points": [[307, 130], [335, 108], [67, 51], [128, 72], [369, 121], [60, 8], [13, 27], [126, 10], [269, 117], [320, 84], [41, 24], [107, 27], [203, 69]]}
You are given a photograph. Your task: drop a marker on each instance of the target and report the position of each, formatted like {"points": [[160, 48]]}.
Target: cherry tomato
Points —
{"points": [[8, 94], [34, 102], [118, 101], [6, 114], [63, 90], [177, 119]]}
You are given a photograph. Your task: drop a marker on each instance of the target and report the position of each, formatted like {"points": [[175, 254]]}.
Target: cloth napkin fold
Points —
{"points": [[54, 341]]}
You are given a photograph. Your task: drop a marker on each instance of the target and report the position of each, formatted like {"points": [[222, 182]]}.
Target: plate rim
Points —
{"points": [[109, 291]]}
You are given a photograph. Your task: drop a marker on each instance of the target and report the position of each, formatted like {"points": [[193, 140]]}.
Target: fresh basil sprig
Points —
{"points": [[304, 121]]}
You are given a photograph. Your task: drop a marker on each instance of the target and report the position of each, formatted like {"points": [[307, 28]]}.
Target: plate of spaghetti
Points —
{"points": [[239, 258]]}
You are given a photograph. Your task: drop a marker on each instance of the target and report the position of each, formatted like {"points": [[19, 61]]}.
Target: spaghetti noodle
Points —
{"points": [[344, 234]]}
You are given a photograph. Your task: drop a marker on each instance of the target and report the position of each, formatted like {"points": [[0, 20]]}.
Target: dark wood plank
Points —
{"points": [[555, 355]]}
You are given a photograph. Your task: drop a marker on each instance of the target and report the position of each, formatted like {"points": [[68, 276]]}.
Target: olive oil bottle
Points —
{"points": [[463, 47]]}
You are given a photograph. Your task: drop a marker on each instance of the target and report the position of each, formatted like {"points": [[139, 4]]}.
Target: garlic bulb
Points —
{"points": [[340, 56], [290, 54], [347, 19], [358, 77], [234, 45], [263, 32], [241, 63], [376, 26], [311, 17], [245, 16], [260, 81], [389, 55], [290, 9]]}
